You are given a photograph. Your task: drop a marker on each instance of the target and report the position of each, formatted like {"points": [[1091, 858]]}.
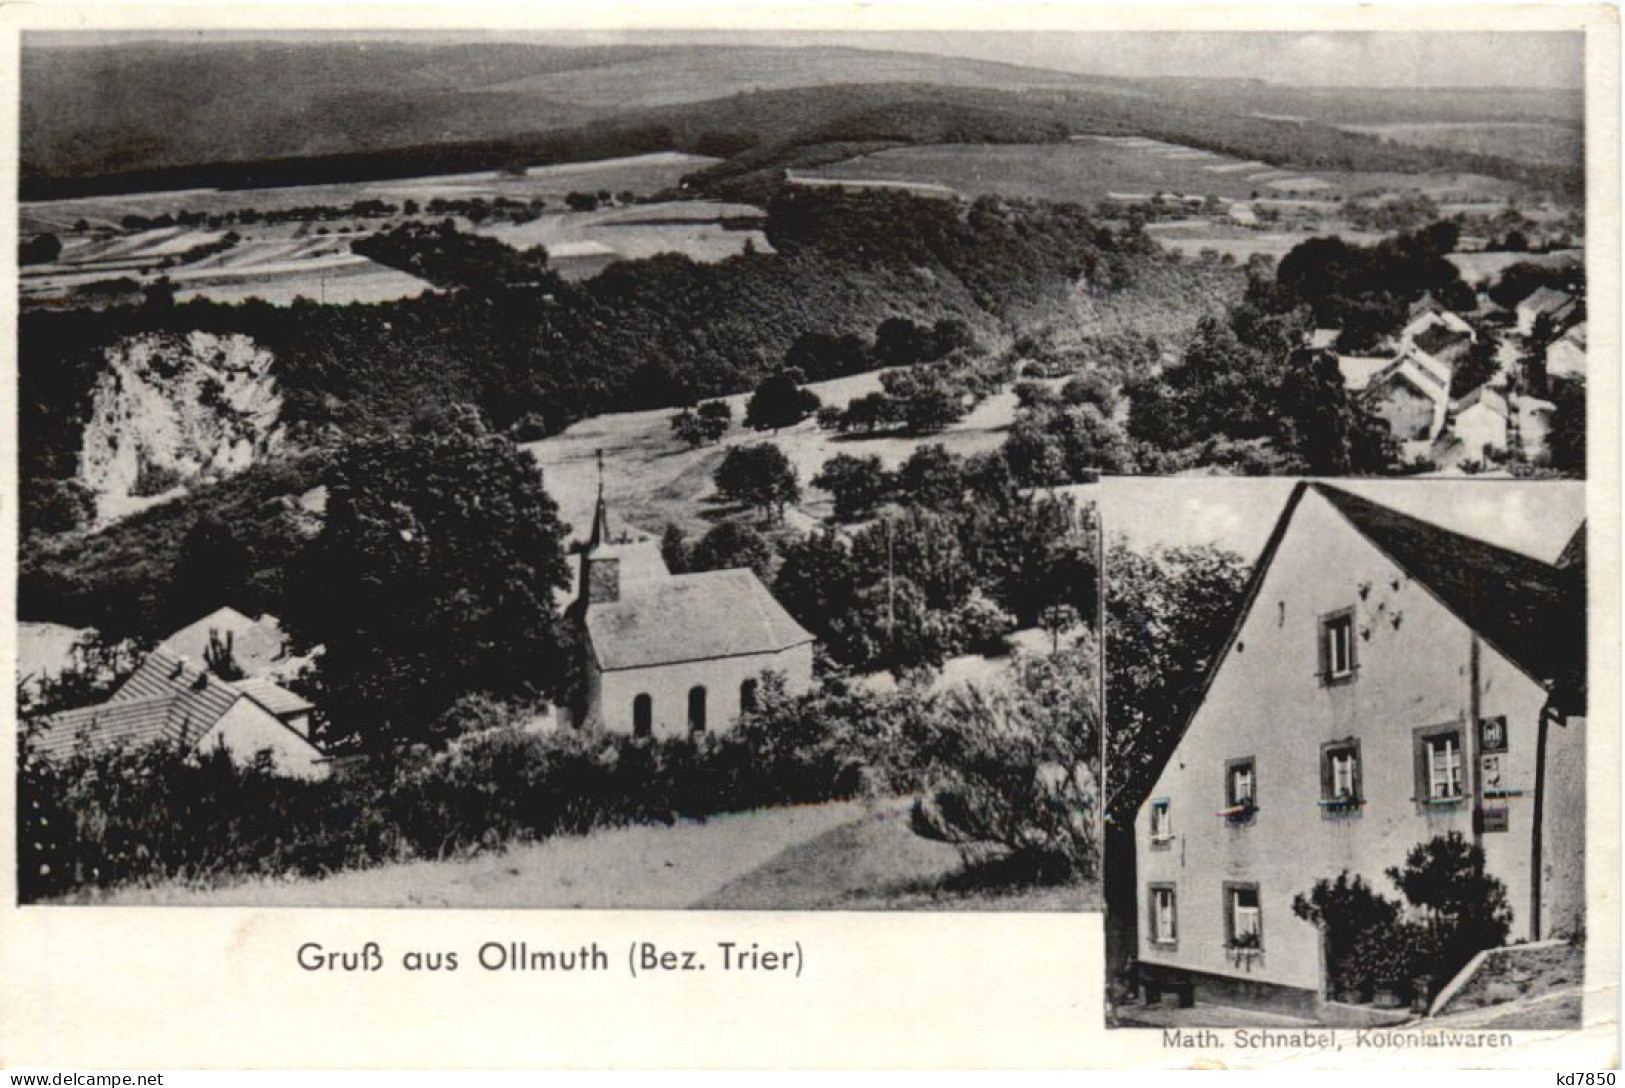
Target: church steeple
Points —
{"points": [[600, 514], [600, 570]]}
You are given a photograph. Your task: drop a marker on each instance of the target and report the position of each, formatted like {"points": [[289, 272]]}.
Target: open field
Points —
{"points": [[848, 854], [1534, 141], [282, 261], [639, 174], [1479, 268], [651, 478], [1089, 169], [1194, 236], [579, 244]]}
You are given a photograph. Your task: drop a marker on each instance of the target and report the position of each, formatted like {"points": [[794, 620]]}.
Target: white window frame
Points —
{"points": [[1345, 773], [1163, 908], [1337, 634], [1254, 916], [1250, 797], [1448, 771], [1162, 828]]}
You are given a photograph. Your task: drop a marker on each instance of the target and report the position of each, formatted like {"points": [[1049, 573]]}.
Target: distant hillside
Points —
{"points": [[113, 109], [162, 116]]}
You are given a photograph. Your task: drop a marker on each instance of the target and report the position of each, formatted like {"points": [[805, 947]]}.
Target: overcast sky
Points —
{"points": [[1237, 513], [1366, 59]]}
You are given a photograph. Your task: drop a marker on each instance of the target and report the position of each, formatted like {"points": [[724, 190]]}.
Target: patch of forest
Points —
{"points": [[661, 332]]}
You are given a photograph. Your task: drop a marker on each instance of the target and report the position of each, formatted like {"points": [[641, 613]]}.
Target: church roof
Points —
{"points": [[691, 617]]}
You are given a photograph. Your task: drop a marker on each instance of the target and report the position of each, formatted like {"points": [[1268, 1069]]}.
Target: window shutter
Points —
{"points": [[1328, 781], [1323, 638]]}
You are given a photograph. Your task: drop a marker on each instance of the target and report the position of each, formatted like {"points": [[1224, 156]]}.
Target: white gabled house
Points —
{"points": [[1387, 681]]}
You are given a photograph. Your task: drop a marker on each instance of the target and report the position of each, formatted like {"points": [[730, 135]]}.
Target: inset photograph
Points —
{"points": [[1345, 753]]}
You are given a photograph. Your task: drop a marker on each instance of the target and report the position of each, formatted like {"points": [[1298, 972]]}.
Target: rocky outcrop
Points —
{"points": [[172, 409]]}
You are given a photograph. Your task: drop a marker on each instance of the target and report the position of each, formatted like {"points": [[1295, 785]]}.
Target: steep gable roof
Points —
{"points": [[691, 617], [202, 694], [1520, 605]]}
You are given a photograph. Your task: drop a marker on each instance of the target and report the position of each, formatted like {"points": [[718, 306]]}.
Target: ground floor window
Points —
{"points": [[643, 716], [747, 695], [696, 709], [1164, 918], [1243, 921]]}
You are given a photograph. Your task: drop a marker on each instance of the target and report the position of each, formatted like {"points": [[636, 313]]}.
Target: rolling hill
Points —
{"points": [[167, 115]]}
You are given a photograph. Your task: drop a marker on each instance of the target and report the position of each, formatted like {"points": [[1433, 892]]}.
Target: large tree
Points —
{"points": [[434, 577], [760, 476]]}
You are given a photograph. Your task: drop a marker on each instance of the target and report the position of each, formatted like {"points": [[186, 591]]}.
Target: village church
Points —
{"points": [[672, 655]]}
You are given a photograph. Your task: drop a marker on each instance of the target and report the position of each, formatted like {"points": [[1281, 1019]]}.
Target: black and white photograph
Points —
{"points": [[1068, 525], [1346, 753]]}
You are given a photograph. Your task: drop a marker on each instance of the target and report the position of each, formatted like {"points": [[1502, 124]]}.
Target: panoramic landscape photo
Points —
{"points": [[657, 470]]}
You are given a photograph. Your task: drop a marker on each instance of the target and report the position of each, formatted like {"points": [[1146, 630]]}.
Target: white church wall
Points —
{"points": [[668, 687]]}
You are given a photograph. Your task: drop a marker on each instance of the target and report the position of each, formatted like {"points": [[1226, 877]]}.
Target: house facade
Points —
{"points": [[1387, 682], [673, 655]]}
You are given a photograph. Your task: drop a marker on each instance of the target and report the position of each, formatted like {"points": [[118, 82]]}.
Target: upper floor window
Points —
{"points": [[1240, 786], [1337, 647], [1340, 773], [1162, 829]]}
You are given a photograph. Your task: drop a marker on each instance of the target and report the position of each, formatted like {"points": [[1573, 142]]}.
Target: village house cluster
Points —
{"points": [[1408, 381], [665, 656], [1387, 682]]}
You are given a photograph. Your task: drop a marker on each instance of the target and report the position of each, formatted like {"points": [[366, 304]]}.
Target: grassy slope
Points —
{"points": [[844, 854]]}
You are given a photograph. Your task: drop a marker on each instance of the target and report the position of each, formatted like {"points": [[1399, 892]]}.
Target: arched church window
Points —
{"points": [[643, 715], [696, 709]]}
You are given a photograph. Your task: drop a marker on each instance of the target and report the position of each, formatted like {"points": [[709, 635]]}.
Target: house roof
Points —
{"points": [[256, 645], [1523, 607], [1438, 339], [1486, 396], [203, 694], [1358, 370], [168, 698], [1545, 300], [130, 722], [691, 617], [278, 700]]}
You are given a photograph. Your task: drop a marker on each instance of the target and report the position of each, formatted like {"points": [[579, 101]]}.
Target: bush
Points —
{"points": [[1352, 915], [1013, 770]]}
